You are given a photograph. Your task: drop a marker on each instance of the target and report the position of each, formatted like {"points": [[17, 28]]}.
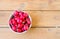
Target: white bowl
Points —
{"points": [[23, 31]]}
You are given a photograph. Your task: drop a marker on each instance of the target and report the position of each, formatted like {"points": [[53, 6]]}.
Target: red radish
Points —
{"points": [[16, 18], [16, 13], [21, 13], [23, 29], [28, 21], [14, 28], [26, 27], [13, 21], [19, 30], [19, 21], [20, 26], [25, 15], [24, 21], [22, 17]]}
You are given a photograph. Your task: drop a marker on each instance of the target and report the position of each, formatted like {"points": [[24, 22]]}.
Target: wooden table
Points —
{"points": [[45, 19]]}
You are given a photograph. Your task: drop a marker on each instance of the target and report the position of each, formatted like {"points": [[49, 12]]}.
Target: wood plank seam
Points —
{"points": [[32, 10], [35, 27]]}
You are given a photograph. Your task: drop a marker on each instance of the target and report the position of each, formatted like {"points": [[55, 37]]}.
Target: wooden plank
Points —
{"points": [[57, 33], [31, 4], [11, 5], [52, 18], [54, 4], [39, 18], [33, 33]]}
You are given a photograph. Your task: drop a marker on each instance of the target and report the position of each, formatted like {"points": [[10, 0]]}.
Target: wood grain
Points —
{"points": [[45, 16], [31, 4], [39, 18], [33, 33]]}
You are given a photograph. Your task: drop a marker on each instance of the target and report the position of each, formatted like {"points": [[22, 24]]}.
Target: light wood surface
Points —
{"points": [[39, 18], [33, 33], [36, 4], [45, 16]]}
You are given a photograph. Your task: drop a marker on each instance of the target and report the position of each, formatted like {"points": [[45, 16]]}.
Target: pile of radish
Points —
{"points": [[19, 21]]}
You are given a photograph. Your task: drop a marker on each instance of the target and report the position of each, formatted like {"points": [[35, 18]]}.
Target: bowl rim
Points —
{"points": [[19, 32]]}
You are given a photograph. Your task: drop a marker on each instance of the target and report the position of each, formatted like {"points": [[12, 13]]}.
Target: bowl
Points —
{"points": [[20, 22]]}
